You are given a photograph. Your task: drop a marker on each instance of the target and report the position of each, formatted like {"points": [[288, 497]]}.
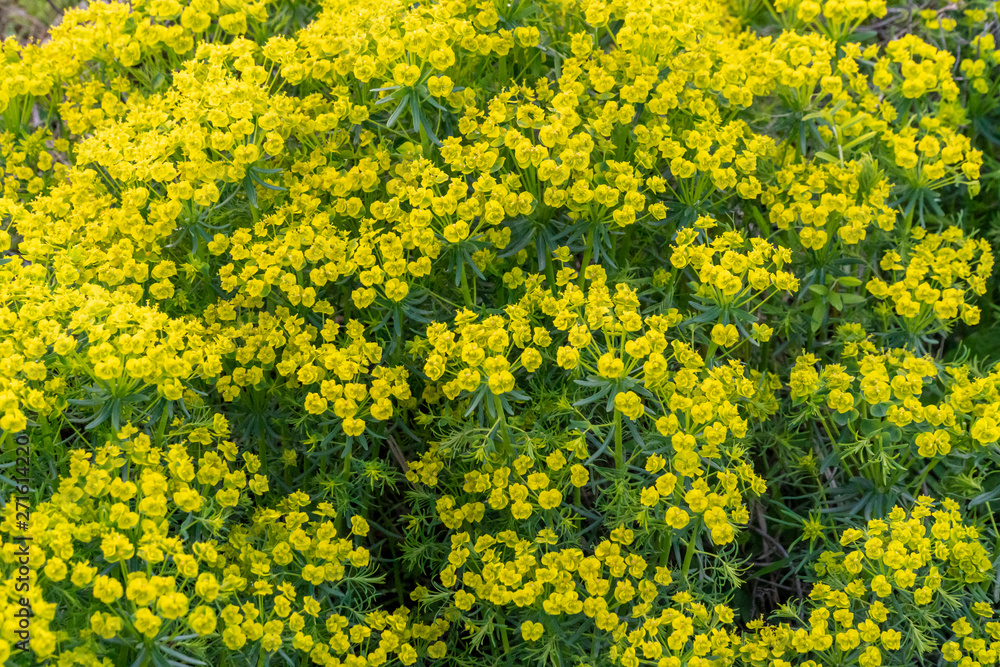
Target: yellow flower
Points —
{"points": [[629, 404], [172, 605], [550, 499], [147, 623], [610, 366], [202, 620], [440, 86], [359, 526], [105, 625], [464, 601], [407, 654], [395, 289], [761, 332], [405, 75], [354, 427], [107, 590], [531, 631], [234, 638], [725, 335], [985, 430], [501, 383], [881, 586], [567, 357], [315, 404], [891, 639], [676, 518]]}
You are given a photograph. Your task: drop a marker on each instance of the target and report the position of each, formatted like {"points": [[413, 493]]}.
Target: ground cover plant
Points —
{"points": [[553, 332]]}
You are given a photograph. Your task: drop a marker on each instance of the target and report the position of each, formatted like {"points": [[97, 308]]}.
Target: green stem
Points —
{"points": [[626, 247], [765, 357], [550, 275], [829, 431], [262, 453], [923, 477], [504, 431], [161, 428], [619, 457], [425, 143], [710, 354], [341, 521], [48, 442], [466, 294], [588, 252], [689, 555], [348, 459], [666, 542]]}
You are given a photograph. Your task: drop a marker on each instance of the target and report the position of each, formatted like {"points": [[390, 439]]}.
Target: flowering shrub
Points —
{"points": [[498, 333]]}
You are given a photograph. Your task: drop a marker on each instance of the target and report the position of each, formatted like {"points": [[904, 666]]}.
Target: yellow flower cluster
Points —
{"points": [[735, 274], [892, 567], [112, 524], [933, 278], [567, 245], [130, 347], [827, 202], [836, 18], [891, 388], [533, 577]]}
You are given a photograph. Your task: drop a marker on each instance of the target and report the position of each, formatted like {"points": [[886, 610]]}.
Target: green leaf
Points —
{"points": [[708, 316], [415, 112], [250, 190], [843, 419], [396, 114], [253, 174], [818, 315], [858, 140], [425, 123], [871, 426]]}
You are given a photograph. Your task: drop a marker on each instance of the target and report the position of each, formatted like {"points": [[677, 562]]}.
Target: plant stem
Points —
{"points": [[466, 294], [666, 542], [262, 453], [619, 457], [689, 554], [923, 477], [425, 143], [550, 275], [347, 462], [710, 353], [161, 427], [626, 247], [504, 431], [588, 252]]}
